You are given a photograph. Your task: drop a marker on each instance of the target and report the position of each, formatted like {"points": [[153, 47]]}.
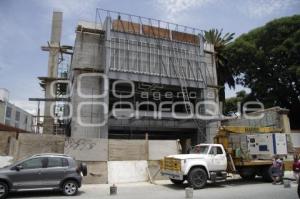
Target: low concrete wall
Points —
{"points": [[158, 149], [87, 149], [30, 144], [108, 161], [97, 173], [127, 171], [5, 137], [120, 150]]}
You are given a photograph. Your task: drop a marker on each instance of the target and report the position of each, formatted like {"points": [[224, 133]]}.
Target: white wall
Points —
{"points": [[21, 123], [296, 139]]}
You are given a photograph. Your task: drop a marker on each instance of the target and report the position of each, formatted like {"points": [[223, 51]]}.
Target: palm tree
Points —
{"points": [[224, 72]]}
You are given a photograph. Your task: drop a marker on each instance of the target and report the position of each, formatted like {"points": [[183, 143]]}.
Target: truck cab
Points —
{"points": [[205, 162]]}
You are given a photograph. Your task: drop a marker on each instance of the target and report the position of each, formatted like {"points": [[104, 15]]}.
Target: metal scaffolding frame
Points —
{"points": [[152, 55]]}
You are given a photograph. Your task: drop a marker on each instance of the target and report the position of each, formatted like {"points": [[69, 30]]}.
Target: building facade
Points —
{"points": [[133, 76], [13, 116]]}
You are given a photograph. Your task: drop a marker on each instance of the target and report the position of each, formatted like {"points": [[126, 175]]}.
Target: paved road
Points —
{"points": [[232, 189]]}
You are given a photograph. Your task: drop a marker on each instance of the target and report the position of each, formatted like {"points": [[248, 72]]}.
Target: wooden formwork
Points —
{"points": [[156, 32], [185, 37], [152, 31], [126, 26]]}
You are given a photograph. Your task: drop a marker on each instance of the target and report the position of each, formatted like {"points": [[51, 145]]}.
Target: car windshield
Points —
{"points": [[200, 149]]}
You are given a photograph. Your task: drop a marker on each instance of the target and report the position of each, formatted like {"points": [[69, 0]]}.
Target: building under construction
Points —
{"points": [[145, 71]]}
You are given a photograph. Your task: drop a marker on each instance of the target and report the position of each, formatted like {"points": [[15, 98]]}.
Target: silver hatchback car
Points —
{"points": [[43, 172]]}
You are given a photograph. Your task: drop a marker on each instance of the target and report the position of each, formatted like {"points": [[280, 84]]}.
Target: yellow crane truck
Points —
{"points": [[247, 151]]}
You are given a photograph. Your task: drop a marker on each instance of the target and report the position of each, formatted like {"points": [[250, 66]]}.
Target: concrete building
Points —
{"points": [[148, 64], [12, 115]]}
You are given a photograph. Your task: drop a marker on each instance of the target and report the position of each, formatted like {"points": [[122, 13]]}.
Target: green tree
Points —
{"points": [[224, 73], [268, 61], [231, 104]]}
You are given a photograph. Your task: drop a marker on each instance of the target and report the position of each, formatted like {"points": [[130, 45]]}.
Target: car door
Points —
{"points": [[217, 159], [29, 175], [55, 171]]}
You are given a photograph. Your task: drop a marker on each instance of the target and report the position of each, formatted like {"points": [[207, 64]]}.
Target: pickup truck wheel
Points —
{"points": [[3, 190], [266, 174], [197, 178], [247, 173], [177, 182]]}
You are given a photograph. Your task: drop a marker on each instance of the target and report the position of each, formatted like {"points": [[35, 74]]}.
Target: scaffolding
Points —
{"points": [[154, 47]]}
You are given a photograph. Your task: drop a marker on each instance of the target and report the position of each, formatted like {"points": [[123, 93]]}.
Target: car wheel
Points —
{"points": [[83, 169], [70, 188], [197, 178], [3, 190], [177, 182]]}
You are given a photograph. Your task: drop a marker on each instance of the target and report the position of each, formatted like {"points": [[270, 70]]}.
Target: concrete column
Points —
{"points": [[52, 68], [48, 120], [106, 63], [211, 126]]}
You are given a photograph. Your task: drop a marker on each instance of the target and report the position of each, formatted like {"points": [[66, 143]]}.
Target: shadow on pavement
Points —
{"points": [[221, 184], [39, 194]]}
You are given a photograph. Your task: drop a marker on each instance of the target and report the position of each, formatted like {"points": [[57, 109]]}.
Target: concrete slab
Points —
{"points": [[158, 149], [127, 171], [97, 173], [30, 144], [87, 149], [5, 138], [127, 150]]}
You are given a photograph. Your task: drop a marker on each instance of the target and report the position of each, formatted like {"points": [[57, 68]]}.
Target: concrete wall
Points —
{"points": [[108, 161], [2, 112], [88, 51], [296, 139], [87, 149], [127, 171], [30, 144], [5, 139], [97, 173], [158, 149], [127, 150]]}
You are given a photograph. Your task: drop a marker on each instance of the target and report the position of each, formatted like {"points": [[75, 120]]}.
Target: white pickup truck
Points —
{"points": [[206, 162]]}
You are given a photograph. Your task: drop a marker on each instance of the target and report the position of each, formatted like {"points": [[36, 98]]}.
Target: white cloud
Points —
{"points": [[261, 8], [72, 8], [175, 7]]}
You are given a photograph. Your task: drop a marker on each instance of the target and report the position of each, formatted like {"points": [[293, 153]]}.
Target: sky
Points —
{"points": [[25, 27]]}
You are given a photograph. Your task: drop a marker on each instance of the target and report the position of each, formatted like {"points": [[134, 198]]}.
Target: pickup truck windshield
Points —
{"points": [[200, 150]]}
